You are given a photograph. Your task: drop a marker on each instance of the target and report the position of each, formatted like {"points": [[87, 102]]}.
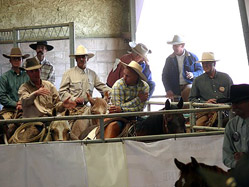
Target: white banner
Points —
{"points": [[152, 164]]}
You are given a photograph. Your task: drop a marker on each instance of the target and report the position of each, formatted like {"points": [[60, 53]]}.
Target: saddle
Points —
{"points": [[206, 119]]}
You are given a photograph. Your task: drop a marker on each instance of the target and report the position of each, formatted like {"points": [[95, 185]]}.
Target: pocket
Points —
{"points": [[76, 86]]}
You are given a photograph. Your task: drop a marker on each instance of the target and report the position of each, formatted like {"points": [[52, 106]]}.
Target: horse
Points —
{"points": [[81, 128], [161, 123], [194, 174]]}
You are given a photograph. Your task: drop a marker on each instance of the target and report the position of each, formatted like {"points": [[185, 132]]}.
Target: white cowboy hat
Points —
{"points": [[81, 50], [16, 52], [140, 49], [137, 68], [177, 39], [208, 57]]}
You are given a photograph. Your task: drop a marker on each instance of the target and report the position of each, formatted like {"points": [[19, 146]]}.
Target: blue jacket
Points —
{"points": [[170, 75]]}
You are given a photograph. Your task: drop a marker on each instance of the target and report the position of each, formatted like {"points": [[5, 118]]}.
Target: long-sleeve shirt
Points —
{"points": [[170, 74], [205, 88], [9, 85], [76, 82], [127, 96], [230, 146], [42, 105]]}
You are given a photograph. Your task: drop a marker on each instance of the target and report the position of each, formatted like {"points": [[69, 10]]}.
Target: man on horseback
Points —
{"points": [[236, 138], [39, 97], [80, 79], [10, 83], [129, 94]]}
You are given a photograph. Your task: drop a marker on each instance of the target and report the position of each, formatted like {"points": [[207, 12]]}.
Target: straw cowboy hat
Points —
{"points": [[81, 50], [208, 57], [16, 52], [32, 63], [49, 47], [140, 49], [238, 93], [177, 39], [137, 68]]}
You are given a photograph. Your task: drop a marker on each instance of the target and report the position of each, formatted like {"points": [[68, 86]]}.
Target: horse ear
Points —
{"points": [[67, 112], [167, 105], [54, 112], [180, 103], [195, 164], [90, 99], [106, 96], [179, 164]]}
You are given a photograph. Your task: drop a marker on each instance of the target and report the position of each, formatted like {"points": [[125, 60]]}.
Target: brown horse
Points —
{"points": [[196, 174], [162, 123]]}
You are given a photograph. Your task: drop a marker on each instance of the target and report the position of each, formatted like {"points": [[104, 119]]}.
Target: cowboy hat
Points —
{"points": [[238, 93], [45, 43], [81, 50], [32, 63], [177, 39], [137, 68], [16, 52], [208, 57], [140, 49]]}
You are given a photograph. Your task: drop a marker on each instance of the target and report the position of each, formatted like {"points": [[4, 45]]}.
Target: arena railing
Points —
{"points": [[215, 131]]}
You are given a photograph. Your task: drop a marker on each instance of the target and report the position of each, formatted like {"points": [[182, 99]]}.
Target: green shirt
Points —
{"points": [[9, 85], [205, 88]]}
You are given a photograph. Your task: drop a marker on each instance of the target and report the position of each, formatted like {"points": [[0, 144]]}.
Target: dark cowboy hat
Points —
{"points": [[238, 93], [49, 47], [16, 52], [32, 63]]}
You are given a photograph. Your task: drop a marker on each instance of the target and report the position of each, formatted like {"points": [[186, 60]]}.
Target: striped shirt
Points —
{"points": [[47, 71], [127, 96]]}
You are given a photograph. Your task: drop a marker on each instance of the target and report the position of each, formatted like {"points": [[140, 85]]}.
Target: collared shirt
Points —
{"points": [[36, 106], [47, 70], [205, 88], [9, 85], [76, 82], [127, 96], [230, 146], [180, 60]]}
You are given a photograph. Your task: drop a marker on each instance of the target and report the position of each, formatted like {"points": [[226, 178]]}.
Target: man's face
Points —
{"points": [[41, 49], [130, 77], [34, 75], [136, 57], [208, 67], [16, 62], [81, 61], [178, 49], [241, 109]]}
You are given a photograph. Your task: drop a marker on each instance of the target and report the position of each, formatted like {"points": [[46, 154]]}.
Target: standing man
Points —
{"points": [[39, 97], [236, 137], [138, 53], [129, 94], [211, 85], [180, 70], [10, 82], [80, 79], [47, 69]]}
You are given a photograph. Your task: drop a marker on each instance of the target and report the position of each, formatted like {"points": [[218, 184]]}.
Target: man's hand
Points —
{"points": [[79, 100], [170, 94], [42, 91], [143, 96], [189, 75], [69, 104], [115, 109], [19, 105], [212, 101], [238, 155]]}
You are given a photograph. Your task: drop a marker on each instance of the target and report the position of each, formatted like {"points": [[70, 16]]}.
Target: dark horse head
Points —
{"points": [[162, 123], [194, 174]]}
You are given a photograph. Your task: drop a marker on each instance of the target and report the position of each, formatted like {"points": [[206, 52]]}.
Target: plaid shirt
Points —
{"points": [[47, 71], [127, 96]]}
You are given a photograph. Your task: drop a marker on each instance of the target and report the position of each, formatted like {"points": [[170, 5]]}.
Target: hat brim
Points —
{"points": [[144, 57], [33, 67], [23, 56], [207, 61], [233, 100], [34, 46], [175, 43], [141, 75], [90, 55]]}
